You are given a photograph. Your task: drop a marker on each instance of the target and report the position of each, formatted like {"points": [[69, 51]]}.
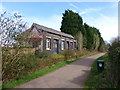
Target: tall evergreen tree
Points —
{"points": [[84, 32], [87, 36], [71, 22]]}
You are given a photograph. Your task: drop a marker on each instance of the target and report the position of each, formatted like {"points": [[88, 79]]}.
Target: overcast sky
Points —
{"points": [[102, 15]]}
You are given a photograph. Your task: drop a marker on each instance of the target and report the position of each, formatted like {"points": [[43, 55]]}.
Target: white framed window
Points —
{"points": [[48, 44], [62, 45]]}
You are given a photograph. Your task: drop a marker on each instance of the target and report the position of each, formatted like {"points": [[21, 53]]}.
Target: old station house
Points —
{"points": [[50, 40]]}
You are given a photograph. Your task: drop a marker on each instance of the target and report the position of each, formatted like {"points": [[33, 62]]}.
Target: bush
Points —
{"points": [[82, 52], [17, 65], [69, 53], [113, 64], [42, 54]]}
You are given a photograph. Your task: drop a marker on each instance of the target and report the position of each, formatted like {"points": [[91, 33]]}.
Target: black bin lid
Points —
{"points": [[100, 60]]}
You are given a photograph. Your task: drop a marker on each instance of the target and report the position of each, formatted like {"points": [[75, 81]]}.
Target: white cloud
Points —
{"points": [[51, 22], [89, 10], [71, 4], [86, 11]]}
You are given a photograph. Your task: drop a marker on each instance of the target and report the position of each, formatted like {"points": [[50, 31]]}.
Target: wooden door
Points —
{"points": [[55, 46]]}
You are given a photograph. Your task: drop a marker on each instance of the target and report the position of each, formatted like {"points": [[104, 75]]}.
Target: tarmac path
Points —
{"points": [[69, 76]]}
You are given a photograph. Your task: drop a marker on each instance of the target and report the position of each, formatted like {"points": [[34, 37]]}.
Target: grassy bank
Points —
{"points": [[41, 72], [96, 79]]}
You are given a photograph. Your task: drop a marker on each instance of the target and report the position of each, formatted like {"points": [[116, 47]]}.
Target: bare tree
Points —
{"points": [[11, 28]]}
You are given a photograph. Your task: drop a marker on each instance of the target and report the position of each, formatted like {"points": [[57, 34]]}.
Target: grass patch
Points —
{"points": [[96, 79], [42, 72], [58, 55]]}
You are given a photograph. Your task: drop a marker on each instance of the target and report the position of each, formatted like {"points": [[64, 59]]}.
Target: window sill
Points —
{"points": [[48, 49]]}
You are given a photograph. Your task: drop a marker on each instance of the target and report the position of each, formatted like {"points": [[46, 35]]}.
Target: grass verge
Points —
{"points": [[43, 72], [96, 79]]}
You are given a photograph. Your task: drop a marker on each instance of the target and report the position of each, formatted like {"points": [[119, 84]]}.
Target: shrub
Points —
{"points": [[69, 53], [15, 66], [83, 52], [42, 54], [113, 64]]}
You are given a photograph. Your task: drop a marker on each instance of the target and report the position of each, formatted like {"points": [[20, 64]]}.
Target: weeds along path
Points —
{"points": [[69, 76]]}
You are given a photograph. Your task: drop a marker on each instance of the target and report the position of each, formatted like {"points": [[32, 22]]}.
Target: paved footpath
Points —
{"points": [[69, 76]]}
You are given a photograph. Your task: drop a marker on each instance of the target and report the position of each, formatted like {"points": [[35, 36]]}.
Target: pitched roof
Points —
{"points": [[40, 27]]}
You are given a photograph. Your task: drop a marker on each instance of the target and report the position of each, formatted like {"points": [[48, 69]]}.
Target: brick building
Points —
{"points": [[50, 40]]}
